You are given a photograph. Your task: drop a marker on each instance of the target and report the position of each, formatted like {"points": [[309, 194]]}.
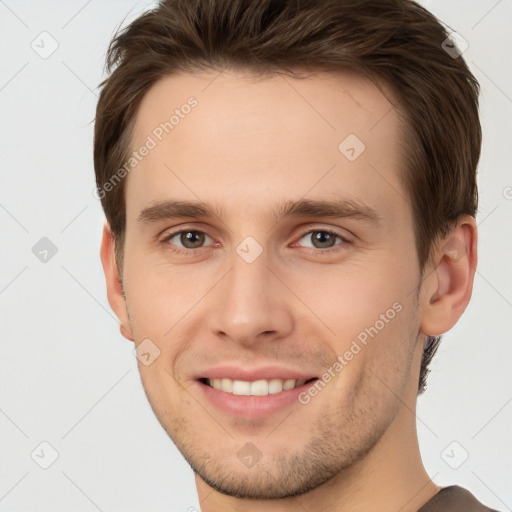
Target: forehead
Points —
{"points": [[214, 135]]}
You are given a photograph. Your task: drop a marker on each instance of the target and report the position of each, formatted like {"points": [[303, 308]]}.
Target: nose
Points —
{"points": [[251, 304]]}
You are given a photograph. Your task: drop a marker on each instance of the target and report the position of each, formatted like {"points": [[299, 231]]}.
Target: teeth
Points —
{"points": [[241, 387], [275, 386], [226, 385], [257, 388], [288, 384]]}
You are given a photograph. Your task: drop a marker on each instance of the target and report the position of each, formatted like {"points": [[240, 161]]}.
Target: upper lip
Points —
{"points": [[253, 374]]}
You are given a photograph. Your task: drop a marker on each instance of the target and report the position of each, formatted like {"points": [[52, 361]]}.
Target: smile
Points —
{"points": [[255, 388]]}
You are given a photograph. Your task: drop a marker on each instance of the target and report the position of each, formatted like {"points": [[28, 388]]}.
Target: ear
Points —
{"points": [[447, 288], [114, 287]]}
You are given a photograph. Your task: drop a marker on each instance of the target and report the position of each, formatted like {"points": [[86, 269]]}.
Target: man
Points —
{"points": [[290, 197]]}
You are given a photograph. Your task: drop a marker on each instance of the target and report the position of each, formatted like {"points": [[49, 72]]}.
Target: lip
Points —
{"points": [[251, 407], [253, 374]]}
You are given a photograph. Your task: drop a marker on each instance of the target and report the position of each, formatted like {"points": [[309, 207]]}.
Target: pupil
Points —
{"points": [[324, 239], [192, 239]]}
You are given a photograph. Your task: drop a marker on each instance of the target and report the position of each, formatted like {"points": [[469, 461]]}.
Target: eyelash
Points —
{"points": [[328, 250], [192, 252], [178, 250]]}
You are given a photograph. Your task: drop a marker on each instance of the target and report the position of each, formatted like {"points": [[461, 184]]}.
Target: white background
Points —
{"points": [[67, 376]]}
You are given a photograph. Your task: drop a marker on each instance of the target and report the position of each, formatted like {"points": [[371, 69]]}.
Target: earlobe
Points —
{"points": [[115, 292], [447, 289], [126, 332]]}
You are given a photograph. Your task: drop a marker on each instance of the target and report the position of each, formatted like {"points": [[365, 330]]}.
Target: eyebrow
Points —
{"points": [[171, 209], [343, 208]]}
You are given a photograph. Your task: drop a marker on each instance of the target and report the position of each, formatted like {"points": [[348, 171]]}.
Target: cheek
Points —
{"points": [[159, 294], [158, 387], [351, 298], [371, 316]]}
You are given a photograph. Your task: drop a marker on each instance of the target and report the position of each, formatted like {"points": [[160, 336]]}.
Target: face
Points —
{"points": [[269, 244]]}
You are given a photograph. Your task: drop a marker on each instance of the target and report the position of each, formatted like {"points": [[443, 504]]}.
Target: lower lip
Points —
{"points": [[253, 407]]}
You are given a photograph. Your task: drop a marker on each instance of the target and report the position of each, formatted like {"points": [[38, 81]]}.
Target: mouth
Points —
{"points": [[252, 393], [262, 387]]}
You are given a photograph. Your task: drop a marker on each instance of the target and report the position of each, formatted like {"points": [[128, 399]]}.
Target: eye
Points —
{"points": [[187, 238], [322, 239]]}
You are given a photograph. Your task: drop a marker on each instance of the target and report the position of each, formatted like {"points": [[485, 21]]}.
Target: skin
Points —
{"points": [[248, 146]]}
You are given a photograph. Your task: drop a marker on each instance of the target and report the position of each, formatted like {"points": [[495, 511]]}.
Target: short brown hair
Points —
{"points": [[394, 42]]}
